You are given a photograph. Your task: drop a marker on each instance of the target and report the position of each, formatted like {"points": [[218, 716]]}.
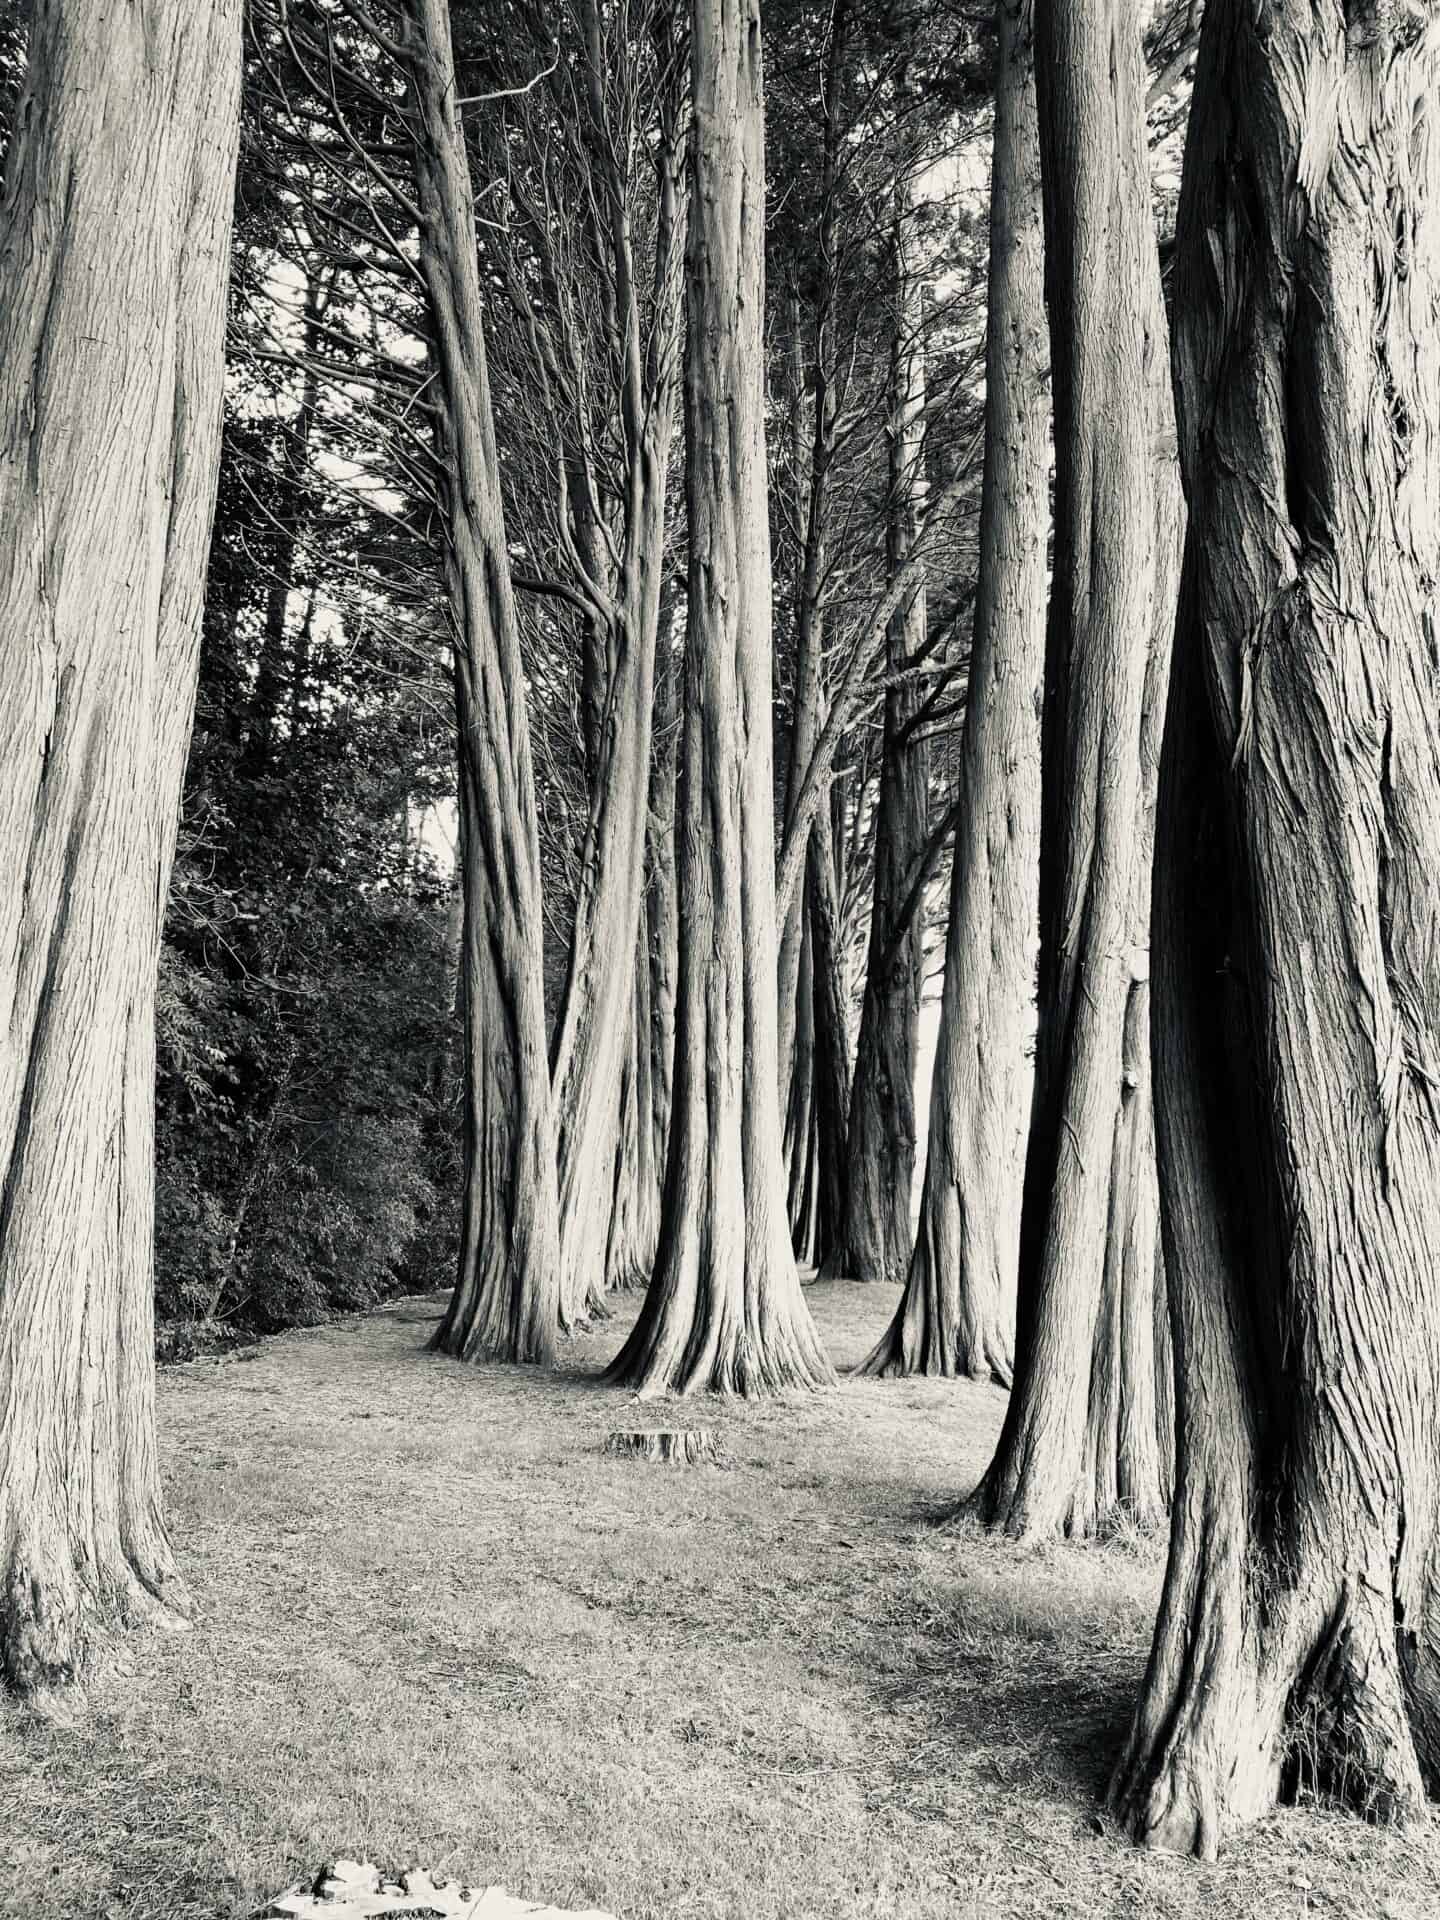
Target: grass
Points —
{"points": [[441, 1626]]}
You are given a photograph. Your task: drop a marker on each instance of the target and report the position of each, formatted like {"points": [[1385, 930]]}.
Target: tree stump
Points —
{"points": [[681, 1446]]}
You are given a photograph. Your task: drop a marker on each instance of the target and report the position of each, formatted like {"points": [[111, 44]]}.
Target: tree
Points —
{"points": [[1296, 1007], [873, 1241], [505, 1301], [1072, 1447], [955, 1314], [590, 255], [724, 1309], [118, 187]]}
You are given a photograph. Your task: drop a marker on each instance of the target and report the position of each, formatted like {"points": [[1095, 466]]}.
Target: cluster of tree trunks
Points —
{"points": [[873, 1227], [1288, 1159], [724, 1308], [506, 1297], [601, 1066], [1082, 1432]]}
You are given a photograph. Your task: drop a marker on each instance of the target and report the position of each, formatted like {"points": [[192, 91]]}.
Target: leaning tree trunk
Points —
{"points": [[114, 262], [724, 1309], [873, 1236], [1088, 1220], [505, 1302], [957, 1310], [1297, 1012]]}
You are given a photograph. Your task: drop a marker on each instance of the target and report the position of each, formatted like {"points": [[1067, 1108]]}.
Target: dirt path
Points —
{"points": [[440, 1625]]}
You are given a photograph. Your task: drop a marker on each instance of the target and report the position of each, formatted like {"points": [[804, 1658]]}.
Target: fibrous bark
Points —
{"points": [[957, 1311], [114, 263], [1088, 1218], [1297, 922], [724, 1309], [505, 1302], [873, 1237]]}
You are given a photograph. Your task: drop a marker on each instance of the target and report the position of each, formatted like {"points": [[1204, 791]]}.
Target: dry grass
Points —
{"points": [[442, 1626]]}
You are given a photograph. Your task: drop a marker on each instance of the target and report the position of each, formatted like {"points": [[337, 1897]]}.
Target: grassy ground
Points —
{"points": [[441, 1626]]}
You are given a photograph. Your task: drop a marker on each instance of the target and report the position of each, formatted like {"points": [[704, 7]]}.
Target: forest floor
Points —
{"points": [[440, 1626]]}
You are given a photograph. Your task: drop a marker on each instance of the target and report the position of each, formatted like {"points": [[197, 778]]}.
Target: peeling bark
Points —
{"points": [[505, 1302], [114, 264], [957, 1311], [724, 1310], [1297, 923], [1088, 1219]]}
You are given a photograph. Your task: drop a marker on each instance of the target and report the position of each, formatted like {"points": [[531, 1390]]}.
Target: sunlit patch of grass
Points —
{"points": [[441, 1626]]}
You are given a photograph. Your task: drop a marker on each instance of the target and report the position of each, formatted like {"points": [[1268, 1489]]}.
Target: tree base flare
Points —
{"points": [[57, 1629]]}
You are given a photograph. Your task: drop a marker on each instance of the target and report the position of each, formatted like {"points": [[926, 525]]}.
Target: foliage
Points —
{"points": [[303, 1114]]}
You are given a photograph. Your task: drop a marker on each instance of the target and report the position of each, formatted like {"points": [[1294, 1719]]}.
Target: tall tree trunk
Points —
{"points": [[724, 1309], [804, 719], [1087, 1232], [505, 1302], [1297, 1002], [594, 1026], [873, 1241], [114, 263], [634, 1213], [662, 906], [830, 1039], [593, 1033], [812, 461], [956, 1314], [801, 1135], [270, 671]]}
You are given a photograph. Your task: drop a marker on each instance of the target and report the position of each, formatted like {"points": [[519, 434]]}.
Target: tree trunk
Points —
{"points": [[830, 1041], [634, 1213], [873, 1241], [724, 1309], [812, 448], [801, 1132], [114, 263], [505, 1302], [804, 718], [1087, 1231], [957, 1311], [270, 675], [594, 1025], [1297, 1005], [662, 906]]}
